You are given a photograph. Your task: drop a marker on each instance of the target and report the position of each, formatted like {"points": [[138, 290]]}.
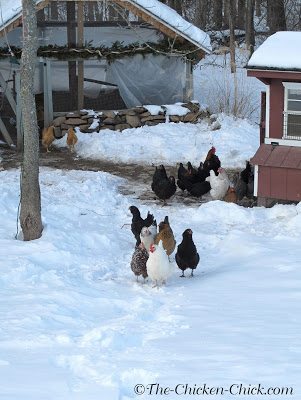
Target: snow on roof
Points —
{"points": [[10, 11], [157, 10], [7, 11], [172, 18], [279, 51]]}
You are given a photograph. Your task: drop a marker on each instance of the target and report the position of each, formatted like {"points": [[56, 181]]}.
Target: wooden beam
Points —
{"points": [[71, 42], [5, 133], [47, 90], [147, 18], [7, 92], [188, 89], [15, 24], [80, 64]]}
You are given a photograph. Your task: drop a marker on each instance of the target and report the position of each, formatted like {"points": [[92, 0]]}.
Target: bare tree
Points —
{"points": [[217, 11], [176, 5], [258, 8], [30, 215], [241, 14], [231, 15], [201, 13], [226, 7], [276, 16], [250, 34]]}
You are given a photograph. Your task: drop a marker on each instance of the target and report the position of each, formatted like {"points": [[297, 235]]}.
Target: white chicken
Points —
{"points": [[158, 266], [219, 184], [147, 237], [153, 228]]}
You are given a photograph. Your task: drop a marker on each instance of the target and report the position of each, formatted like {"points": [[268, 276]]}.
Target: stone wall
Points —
{"points": [[90, 121]]}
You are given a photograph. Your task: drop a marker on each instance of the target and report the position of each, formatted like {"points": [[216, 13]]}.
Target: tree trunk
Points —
{"points": [[276, 16], [226, 16], [231, 14], [250, 35], [258, 8], [176, 5], [30, 215], [241, 14], [90, 11], [201, 12], [217, 11]]}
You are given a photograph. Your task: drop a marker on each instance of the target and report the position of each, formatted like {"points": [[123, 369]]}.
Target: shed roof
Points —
{"points": [[279, 52], [155, 12], [277, 156]]}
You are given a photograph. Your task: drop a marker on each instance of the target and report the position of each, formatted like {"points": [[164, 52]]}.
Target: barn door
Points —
{"points": [[262, 117]]}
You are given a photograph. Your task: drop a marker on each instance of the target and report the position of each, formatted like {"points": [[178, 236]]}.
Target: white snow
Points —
{"points": [[169, 109], [278, 51], [74, 324], [171, 143], [167, 14], [95, 124]]}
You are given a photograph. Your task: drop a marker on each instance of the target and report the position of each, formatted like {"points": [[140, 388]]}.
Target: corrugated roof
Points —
{"points": [[277, 156]]}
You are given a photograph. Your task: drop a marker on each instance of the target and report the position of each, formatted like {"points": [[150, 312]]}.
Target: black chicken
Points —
{"points": [[186, 177], [138, 222], [203, 172], [199, 189], [212, 161], [187, 255], [163, 186], [245, 183], [182, 171]]}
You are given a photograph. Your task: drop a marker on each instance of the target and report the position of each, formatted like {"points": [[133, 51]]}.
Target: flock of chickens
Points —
{"points": [[155, 244], [48, 138], [209, 177]]}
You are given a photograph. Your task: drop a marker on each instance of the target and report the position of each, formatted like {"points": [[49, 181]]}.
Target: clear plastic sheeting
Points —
{"points": [[149, 79]]}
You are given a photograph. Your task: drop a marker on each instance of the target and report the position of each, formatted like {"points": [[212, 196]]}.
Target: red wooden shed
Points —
{"points": [[277, 162]]}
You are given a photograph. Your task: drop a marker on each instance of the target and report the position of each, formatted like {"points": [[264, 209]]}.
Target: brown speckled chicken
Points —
{"points": [[48, 137], [166, 235], [138, 263]]}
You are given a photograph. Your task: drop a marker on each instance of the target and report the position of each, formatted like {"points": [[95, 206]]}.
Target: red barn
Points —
{"points": [[277, 63]]}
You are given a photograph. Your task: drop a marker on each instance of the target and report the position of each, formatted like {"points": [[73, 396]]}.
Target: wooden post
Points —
{"points": [[188, 90], [5, 133], [47, 88], [7, 92], [71, 38], [80, 64]]}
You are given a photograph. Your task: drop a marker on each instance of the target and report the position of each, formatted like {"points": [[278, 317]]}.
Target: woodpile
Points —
{"points": [[91, 121]]}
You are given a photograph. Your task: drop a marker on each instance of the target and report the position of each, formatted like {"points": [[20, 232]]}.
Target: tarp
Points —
{"points": [[149, 79]]}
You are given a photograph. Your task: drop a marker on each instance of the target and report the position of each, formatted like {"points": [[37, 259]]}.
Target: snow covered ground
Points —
{"points": [[75, 325], [171, 143]]}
